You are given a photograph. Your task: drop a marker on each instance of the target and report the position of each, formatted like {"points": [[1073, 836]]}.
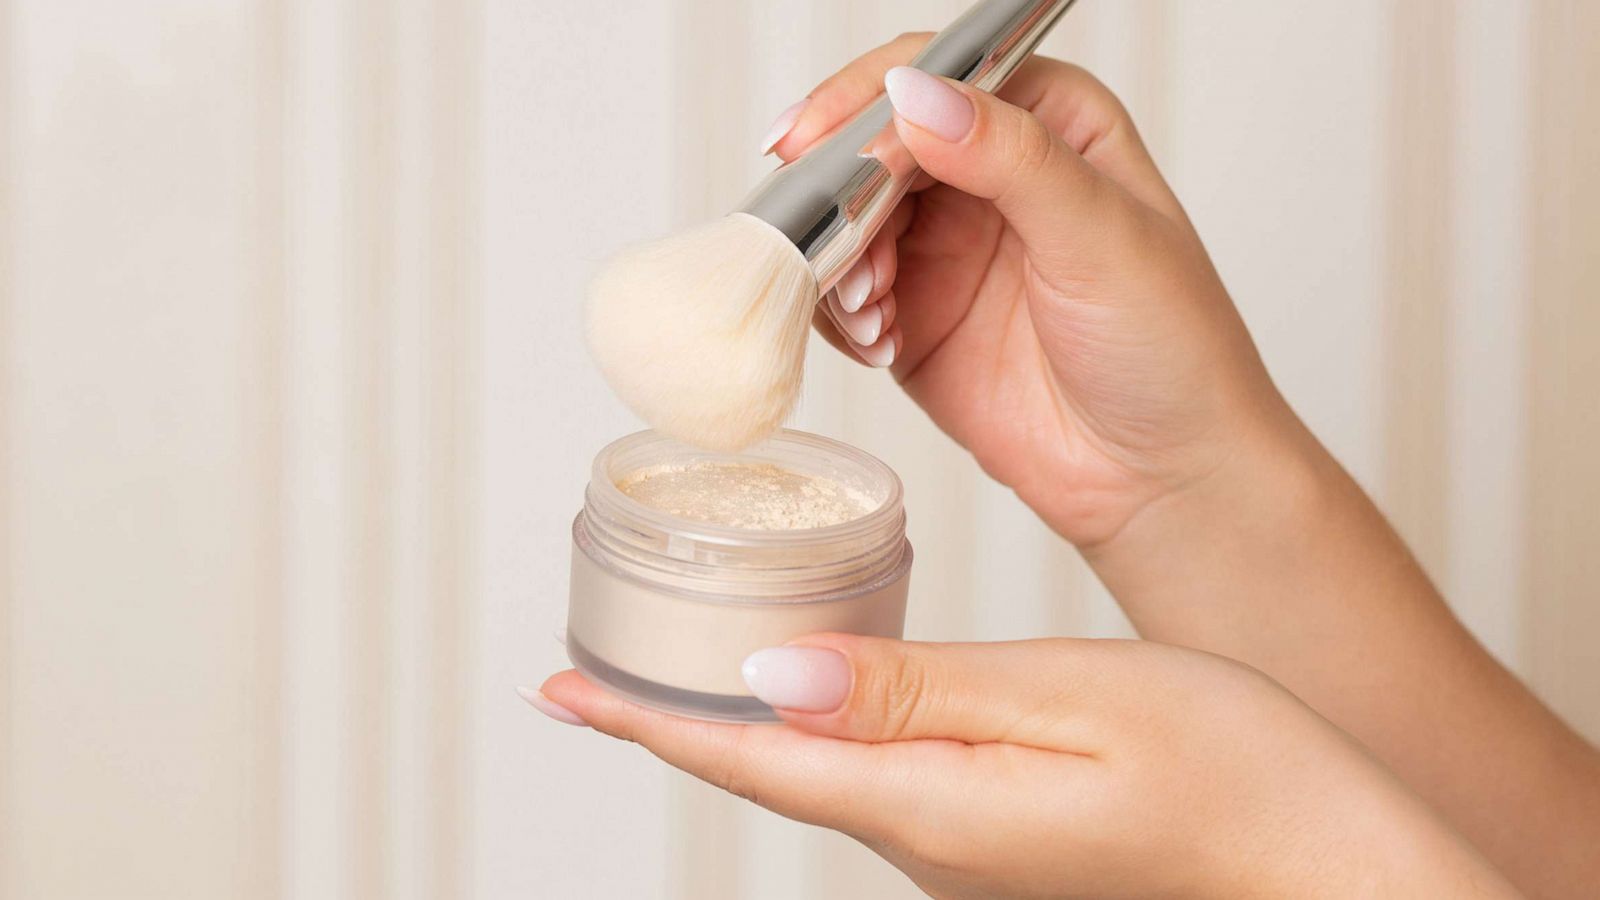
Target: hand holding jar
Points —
{"points": [[1060, 768]]}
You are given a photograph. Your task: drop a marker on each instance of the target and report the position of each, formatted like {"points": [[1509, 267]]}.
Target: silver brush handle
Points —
{"points": [[832, 201]]}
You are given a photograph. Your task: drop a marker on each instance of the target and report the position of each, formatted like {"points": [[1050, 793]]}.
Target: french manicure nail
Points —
{"points": [[856, 286], [782, 125], [886, 312], [804, 679], [928, 103], [864, 325], [561, 636], [881, 354], [549, 707]]}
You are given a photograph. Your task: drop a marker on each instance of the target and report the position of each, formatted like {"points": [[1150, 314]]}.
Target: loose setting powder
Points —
{"points": [[761, 497], [664, 607]]}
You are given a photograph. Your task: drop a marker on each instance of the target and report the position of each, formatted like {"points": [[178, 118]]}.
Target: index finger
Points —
{"points": [[837, 99]]}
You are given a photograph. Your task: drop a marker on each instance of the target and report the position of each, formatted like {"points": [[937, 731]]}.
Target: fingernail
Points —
{"points": [[782, 125], [886, 312], [928, 102], [804, 679], [549, 707], [881, 353], [561, 636], [856, 286], [864, 325]]}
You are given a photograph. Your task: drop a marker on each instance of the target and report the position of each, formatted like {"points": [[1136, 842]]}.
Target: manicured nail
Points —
{"points": [[782, 125], [561, 636], [864, 325], [856, 286], [549, 707], [886, 312], [804, 679], [928, 102], [881, 353]]}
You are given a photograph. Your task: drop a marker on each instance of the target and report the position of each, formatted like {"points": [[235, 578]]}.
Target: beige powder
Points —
{"points": [[741, 495]]}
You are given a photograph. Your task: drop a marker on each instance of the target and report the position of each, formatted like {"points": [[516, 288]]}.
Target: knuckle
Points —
{"points": [[1034, 144], [1095, 102], [898, 688]]}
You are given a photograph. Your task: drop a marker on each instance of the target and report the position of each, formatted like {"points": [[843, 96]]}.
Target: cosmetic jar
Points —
{"points": [[664, 608]]}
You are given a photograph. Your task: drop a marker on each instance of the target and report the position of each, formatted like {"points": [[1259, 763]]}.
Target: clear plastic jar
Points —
{"points": [[663, 609]]}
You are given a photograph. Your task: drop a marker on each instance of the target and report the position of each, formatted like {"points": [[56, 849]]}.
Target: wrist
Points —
{"points": [[1271, 483], [1396, 847], [1362, 834]]}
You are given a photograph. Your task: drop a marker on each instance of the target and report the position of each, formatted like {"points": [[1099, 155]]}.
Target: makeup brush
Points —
{"points": [[703, 334]]}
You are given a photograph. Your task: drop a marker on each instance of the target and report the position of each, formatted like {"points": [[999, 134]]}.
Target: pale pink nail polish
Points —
{"points": [[804, 679], [928, 103], [886, 310], [549, 707], [881, 354], [856, 286], [864, 325], [782, 125]]}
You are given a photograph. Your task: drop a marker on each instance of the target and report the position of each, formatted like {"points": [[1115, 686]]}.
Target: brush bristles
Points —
{"points": [[703, 334]]}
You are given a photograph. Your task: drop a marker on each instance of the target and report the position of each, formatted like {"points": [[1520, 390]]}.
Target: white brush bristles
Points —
{"points": [[703, 334]]}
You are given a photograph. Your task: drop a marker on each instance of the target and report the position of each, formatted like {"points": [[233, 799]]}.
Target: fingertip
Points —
{"points": [[569, 688], [557, 711], [880, 355], [855, 288], [862, 326], [798, 678], [929, 103], [783, 125], [887, 307], [899, 338], [885, 257], [826, 321]]}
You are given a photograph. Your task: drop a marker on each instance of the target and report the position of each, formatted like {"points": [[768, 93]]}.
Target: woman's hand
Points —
{"points": [[1050, 306], [1047, 301], [1060, 768]]}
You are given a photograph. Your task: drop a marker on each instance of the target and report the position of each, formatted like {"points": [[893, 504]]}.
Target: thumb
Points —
{"points": [[986, 147], [1046, 693]]}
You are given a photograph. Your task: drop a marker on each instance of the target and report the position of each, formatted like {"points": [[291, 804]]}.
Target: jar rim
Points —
{"points": [[603, 488], [662, 548]]}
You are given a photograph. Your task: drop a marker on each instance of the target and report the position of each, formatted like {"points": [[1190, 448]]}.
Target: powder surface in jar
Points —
{"points": [[761, 497]]}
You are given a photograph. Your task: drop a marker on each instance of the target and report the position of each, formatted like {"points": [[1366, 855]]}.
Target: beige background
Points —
{"points": [[294, 415]]}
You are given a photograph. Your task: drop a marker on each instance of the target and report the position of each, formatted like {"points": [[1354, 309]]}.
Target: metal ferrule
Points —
{"points": [[832, 201]]}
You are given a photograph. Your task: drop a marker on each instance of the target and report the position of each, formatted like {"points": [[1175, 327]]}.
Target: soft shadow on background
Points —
{"points": [[295, 412]]}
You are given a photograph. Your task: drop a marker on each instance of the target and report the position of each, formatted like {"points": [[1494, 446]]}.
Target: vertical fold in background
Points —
{"points": [[1487, 413], [264, 405], [1561, 633], [369, 330], [453, 433], [317, 819], [8, 82], [1418, 248]]}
